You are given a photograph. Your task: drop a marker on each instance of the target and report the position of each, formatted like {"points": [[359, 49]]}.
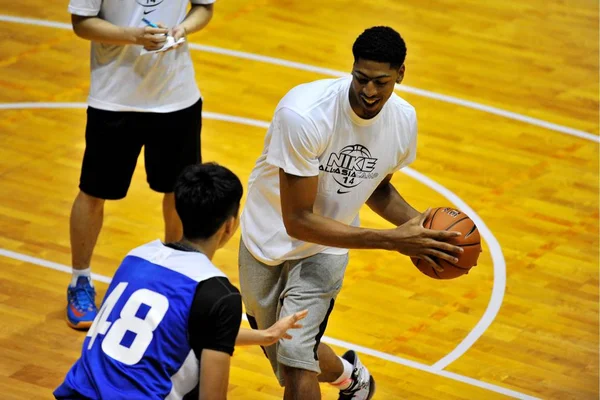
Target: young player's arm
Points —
{"points": [[214, 375], [271, 335], [213, 326], [294, 148]]}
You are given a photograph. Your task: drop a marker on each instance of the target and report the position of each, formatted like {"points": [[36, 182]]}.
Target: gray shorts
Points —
{"points": [[272, 292]]}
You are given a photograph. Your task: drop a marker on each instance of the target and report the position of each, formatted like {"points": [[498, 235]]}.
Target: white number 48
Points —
{"points": [[128, 321]]}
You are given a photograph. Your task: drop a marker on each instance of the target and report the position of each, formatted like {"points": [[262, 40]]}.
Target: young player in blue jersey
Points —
{"points": [[170, 319]]}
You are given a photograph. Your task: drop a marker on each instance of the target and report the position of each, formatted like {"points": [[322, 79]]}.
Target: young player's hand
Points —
{"points": [[414, 240], [279, 329]]}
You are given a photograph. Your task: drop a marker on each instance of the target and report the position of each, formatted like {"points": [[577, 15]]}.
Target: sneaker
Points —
{"points": [[81, 306], [363, 384]]}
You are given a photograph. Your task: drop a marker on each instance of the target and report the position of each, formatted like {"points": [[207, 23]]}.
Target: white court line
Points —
{"points": [[499, 263], [326, 71], [325, 339]]}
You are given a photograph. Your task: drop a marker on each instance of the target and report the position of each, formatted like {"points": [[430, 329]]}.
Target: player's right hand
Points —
{"points": [[414, 240], [151, 38], [279, 330]]}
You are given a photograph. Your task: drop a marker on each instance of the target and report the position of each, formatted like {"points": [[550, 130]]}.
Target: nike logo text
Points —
{"points": [[148, 12], [342, 192]]}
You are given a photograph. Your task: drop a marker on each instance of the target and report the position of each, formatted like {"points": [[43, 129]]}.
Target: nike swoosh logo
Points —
{"points": [[148, 12], [342, 192], [78, 314]]}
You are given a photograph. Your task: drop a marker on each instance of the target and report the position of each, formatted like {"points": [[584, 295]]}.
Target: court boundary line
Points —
{"points": [[498, 261], [331, 72], [365, 350]]}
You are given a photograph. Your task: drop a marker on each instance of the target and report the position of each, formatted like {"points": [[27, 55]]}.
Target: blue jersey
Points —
{"points": [[138, 347]]}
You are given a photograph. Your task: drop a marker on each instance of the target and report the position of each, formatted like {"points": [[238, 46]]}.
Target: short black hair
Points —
{"points": [[381, 44], [206, 195]]}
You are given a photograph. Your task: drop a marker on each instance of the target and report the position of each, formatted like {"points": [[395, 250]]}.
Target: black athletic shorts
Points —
{"points": [[114, 139]]}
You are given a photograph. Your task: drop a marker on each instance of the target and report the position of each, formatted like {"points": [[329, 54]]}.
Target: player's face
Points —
{"points": [[372, 85]]}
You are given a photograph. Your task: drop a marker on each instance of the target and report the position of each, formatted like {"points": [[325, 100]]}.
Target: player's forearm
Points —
{"points": [[313, 228], [248, 337], [387, 203], [214, 375], [101, 31], [214, 390], [198, 17]]}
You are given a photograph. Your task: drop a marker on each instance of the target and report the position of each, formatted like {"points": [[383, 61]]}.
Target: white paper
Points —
{"points": [[168, 44]]}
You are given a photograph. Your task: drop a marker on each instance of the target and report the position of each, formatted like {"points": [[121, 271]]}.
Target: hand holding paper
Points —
{"points": [[168, 44], [170, 41]]}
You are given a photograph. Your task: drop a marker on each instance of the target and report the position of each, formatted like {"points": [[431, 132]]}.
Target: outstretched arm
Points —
{"points": [[266, 337]]}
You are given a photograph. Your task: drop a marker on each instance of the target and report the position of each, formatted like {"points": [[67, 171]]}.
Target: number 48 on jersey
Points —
{"points": [[142, 329]]}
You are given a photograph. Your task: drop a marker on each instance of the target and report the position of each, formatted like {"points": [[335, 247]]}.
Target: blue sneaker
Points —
{"points": [[81, 306]]}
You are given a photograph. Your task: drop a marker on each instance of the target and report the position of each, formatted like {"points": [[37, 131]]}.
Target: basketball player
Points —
{"points": [[333, 145], [135, 101], [170, 318]]}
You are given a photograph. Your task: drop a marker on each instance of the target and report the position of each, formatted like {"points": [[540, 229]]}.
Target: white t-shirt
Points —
{"points": [[122, 79], [315, 132]]}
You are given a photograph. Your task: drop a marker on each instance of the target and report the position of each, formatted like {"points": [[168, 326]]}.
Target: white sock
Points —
{"points": [[344, 381], [81, 272]]}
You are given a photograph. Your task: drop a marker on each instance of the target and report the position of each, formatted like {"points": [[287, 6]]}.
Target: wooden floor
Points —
{"points": [[535, 188]]}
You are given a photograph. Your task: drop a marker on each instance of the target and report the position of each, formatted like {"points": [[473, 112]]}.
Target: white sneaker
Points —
{"points": [[363, 384]]}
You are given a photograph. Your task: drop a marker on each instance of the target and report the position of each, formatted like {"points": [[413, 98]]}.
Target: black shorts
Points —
{"points": [[114, 139]]}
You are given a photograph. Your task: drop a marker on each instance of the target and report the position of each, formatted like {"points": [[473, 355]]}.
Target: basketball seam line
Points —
{"points": [[471, 231], [432, 217], [459, 267], [456, 222]]}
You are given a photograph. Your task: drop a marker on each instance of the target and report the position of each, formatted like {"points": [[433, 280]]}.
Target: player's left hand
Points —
{"points": [[177, 32], [279, 329]]}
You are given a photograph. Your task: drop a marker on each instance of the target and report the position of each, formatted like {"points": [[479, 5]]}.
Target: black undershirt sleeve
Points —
{"points": [[215, 316]]}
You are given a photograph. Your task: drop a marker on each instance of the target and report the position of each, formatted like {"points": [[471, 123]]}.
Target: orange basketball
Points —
{"points": [[450, 219]]}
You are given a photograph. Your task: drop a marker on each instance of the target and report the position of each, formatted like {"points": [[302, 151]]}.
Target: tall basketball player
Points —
{"points": [[333, 145]]}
